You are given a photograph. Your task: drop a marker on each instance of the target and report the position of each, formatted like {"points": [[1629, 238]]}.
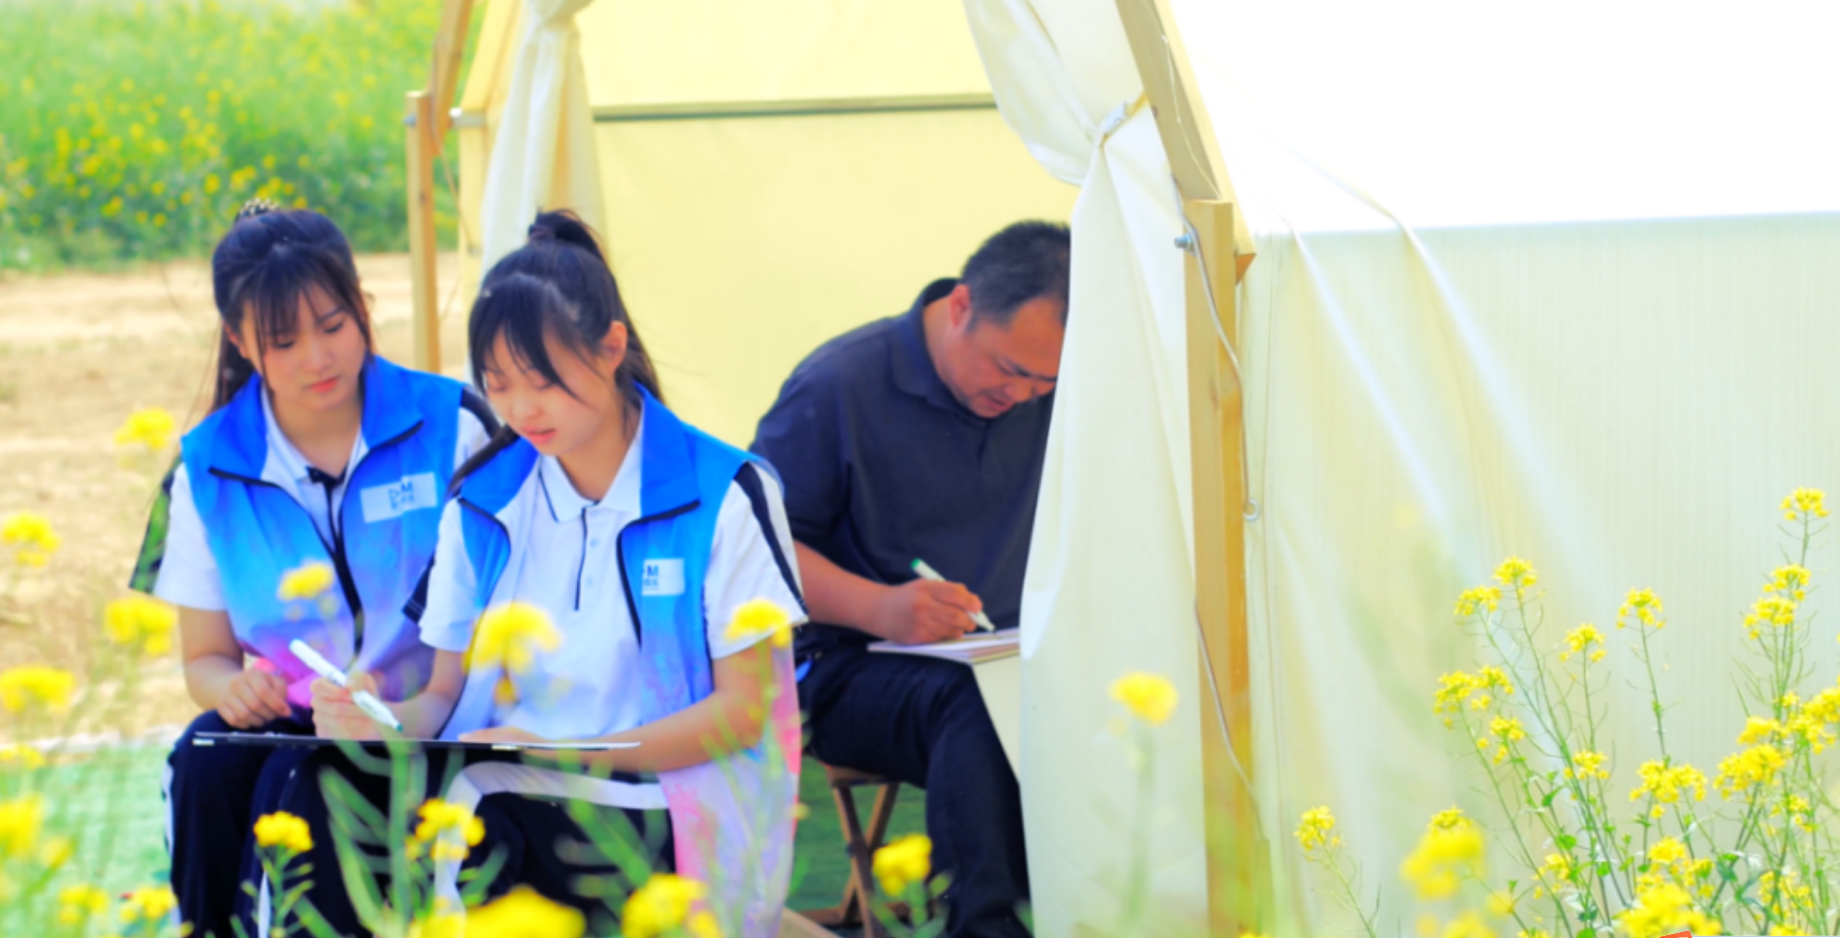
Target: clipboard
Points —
{"points": [[288, 741]]}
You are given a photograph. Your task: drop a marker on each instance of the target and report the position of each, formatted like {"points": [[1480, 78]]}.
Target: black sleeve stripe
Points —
{"points": [[749, 480], [153, 543], [418, 602], [472, 402]]}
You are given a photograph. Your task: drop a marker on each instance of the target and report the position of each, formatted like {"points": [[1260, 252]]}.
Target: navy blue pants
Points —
{"points": [[542, 846], [922, 721], [213, 797]]}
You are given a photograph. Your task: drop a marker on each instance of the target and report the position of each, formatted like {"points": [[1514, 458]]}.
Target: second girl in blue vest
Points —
{"points": [[316, 452], [639, 536]]}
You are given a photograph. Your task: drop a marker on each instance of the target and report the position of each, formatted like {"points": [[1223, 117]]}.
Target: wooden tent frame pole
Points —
{"points": [[426, 121], [1219, 249]]}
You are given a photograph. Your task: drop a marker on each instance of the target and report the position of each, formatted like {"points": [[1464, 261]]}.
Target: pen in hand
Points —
{"points": [[365, 700], [928, 573]]}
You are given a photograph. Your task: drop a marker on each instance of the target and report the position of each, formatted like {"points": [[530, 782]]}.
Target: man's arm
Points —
{"points": [[918, 612]]}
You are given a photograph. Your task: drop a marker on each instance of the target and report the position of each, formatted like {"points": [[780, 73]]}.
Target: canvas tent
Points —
{"points": [[1556, 283]]}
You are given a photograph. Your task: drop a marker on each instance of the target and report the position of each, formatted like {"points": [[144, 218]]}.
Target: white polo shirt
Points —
{"points": [[591, 685], [188, 573]]}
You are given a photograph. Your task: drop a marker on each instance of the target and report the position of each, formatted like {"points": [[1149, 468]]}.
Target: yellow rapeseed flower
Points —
{"points": [[151, 428], [77, 903], [1468, 925], [1453, 689], [1479, 599], [1150, 696], [1662, 909], [1449, 819], [1584, 640], [1667, 851], [1773, 611], [524, 913], [284, 830], [661, 906], [21, 755], [439, 817], [907, 861], [513, 634], [1314, 831], [1443, 858], [1557, 869], [1665, 784], [35, 685], [1759, 730], [150, 904], [1755, 766], [31, 535], [143, 621], [1587, 764], [758, 617], [20, 821], [1808, 503], [703, 924], [440, 925], [1517, 573], [1643, 606], [307, 581], [1791, 581]]}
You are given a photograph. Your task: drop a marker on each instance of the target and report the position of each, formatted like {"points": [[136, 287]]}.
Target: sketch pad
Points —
{"points": [[286, 741]]}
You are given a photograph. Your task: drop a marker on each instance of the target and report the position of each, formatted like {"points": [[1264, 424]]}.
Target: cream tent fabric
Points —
{"points": [[1110, 581], [544, 149], [1558, 283], [744, 239]]}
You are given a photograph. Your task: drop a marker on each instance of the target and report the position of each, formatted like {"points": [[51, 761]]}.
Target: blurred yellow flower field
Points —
{"points": [[132, 130]]}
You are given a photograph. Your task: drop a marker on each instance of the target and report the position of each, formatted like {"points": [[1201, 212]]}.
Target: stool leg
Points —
{"points": [[857, 894]]}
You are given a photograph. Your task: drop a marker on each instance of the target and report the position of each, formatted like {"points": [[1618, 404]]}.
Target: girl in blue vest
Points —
{"points": [[639, 537], [316, 452]]}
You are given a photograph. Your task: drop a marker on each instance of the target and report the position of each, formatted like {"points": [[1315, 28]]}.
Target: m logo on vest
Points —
{"points": [[409, 493], [663, 578]]}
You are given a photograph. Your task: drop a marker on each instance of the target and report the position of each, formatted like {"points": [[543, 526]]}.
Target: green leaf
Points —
{"points": [[1567, 841], [1584, 933]]}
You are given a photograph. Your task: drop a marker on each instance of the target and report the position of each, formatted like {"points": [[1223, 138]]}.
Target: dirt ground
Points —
{"points": [[78, 354]]}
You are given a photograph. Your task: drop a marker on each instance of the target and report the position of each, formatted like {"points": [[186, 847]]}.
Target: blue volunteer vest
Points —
{"points": [[664, 555], [732, 819], [389, 519]]}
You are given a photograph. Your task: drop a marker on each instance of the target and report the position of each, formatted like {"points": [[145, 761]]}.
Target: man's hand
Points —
{"points": [[335, 716], [254, 697], [921, 612]]}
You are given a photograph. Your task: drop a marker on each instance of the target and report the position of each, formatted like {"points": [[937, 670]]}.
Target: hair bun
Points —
{"points": [[567, 227], [255, 207]]}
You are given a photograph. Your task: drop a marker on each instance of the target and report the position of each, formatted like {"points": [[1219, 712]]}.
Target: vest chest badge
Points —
{"points": [[662, 578], [409, 493]]}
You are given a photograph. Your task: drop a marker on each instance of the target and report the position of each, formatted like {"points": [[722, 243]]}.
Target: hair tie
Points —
{"points": [[255, 207], [541, 232]]}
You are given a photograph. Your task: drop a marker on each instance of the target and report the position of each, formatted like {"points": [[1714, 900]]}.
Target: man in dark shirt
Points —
{"points": [[921, 437]]}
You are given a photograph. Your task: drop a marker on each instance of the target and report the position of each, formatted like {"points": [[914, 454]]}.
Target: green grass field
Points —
{"points": [[133, 130], [109, 804]]}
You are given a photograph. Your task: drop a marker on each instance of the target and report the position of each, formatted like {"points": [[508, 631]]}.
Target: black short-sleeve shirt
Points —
{"points": [[881, 465]]}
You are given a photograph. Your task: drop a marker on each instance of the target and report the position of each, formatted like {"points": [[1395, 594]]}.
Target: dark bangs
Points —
{"points": [[273, 292], [525, 311]]}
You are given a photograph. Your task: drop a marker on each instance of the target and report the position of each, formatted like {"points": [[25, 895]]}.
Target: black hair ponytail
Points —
{"points": [[263, 266], [557, 286]]}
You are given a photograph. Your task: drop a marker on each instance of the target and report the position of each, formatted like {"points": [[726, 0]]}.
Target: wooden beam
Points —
{"points": [[449, 51], [1216, 434], [1181, 116], [419, 124]]}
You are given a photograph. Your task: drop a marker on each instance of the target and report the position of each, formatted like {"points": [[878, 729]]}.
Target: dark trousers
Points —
{"points": [[542, 846], [213, 796], [922, 721]]}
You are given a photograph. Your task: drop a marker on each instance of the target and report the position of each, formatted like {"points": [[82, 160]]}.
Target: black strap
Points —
{"points": [[349, 586]]}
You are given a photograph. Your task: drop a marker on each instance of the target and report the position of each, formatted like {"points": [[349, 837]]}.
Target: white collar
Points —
{"points": [[566, 504], [284, 465]]}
